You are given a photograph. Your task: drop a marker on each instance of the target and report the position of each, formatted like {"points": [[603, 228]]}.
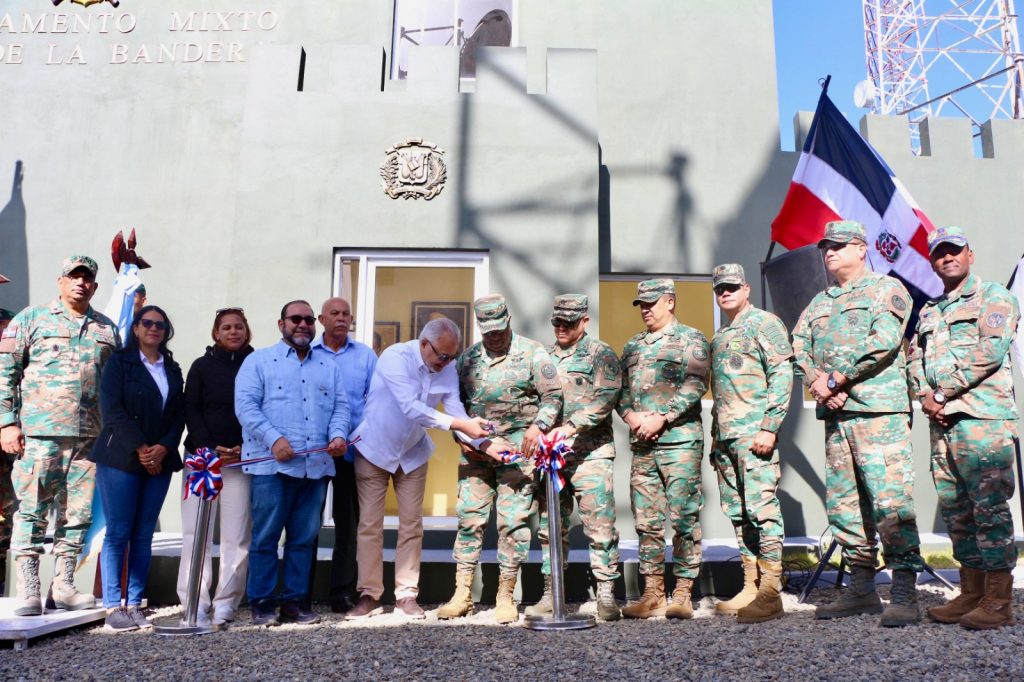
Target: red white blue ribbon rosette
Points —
{"points": [[550, 457], [204, 479]]}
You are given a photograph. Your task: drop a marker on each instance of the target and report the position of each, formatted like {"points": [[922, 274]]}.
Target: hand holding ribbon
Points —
{"points": [[299, 453]]}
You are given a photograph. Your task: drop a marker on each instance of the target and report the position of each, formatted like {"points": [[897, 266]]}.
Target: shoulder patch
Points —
{"points": [[699, 353], [548, 371], [898, 303], [994, 323]]}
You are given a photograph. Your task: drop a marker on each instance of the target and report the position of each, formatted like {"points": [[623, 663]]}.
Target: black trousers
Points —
{"points": [[346, 520]]}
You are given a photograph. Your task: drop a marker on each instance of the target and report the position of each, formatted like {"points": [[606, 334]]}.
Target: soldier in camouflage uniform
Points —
{"points": [[849, 351], [960, 370], [510, 381], [664, 376], [50, 362], [589, 372], [751, 380], [8, 502]]}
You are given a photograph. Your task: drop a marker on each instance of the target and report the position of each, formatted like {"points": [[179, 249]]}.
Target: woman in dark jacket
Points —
{"points": [[211, 421], [143, 410]]}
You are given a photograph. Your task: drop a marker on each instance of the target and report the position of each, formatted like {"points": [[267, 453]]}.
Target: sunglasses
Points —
{"points": [[222, 311], [564, 324], [149, 324], [443, 357], [298, 319]]}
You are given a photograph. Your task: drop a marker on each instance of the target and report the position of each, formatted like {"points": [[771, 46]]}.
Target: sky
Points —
{"points": [[814, 38]]}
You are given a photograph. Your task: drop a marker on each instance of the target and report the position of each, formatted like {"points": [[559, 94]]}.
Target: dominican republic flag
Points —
{"points": [[841, 177]]}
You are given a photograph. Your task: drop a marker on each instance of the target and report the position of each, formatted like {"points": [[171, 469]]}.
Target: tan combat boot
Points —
{"points": [[972, 589], [860, 597], [546, 605], [747, 594], [902, 608], [767, 605], [27, 571], [63, 594], [681, 606], [461, 603], [652, 601], [607, 608], [506, 611], [996, 608]]}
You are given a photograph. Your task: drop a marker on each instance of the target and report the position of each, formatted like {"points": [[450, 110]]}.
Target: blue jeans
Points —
{"points": [[131, 504], [289, 504]]}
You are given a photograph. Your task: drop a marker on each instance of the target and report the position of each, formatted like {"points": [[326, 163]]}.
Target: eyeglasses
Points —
{"points": [[443, 357], [723, 288], [160, 325], [564, 324], [298, 319], [222, 311]]}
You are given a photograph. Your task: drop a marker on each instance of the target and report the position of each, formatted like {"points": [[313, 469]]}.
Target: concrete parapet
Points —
{"points": [[948, 139]]}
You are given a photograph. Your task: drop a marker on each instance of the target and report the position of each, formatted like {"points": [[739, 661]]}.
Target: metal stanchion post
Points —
{"points": [[195, 573], [558, 620]]}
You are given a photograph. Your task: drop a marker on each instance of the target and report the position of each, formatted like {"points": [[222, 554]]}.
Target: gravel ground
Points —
{"points": [[387, 647]]}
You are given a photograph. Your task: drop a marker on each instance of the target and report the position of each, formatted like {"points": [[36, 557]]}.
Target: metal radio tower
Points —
{"points": [[942, 57]]}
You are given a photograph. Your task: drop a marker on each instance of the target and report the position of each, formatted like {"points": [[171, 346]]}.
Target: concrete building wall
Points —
{"points": [[619, 138]]}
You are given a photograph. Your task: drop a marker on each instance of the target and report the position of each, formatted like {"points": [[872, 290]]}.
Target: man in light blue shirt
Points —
{"points": [[289, 399], [357, 362]]}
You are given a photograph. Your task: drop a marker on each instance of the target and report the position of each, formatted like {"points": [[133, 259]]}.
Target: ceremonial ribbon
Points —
{"points": [[204, 480], [550, 457], [300, 453]]}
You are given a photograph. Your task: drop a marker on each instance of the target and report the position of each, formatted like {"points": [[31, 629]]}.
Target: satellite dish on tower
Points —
{"points": [[864, 94]]}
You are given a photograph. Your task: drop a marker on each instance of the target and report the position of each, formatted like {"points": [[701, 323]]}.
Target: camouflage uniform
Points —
{"points": [[50, 362], [8, 501], [512, 391], [962, 349], [751, 380], [590, 378], [666, 372], [857, 330]]}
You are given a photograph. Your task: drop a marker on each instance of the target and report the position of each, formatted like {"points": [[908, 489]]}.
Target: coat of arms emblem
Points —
{"points": [[889, 246], [86, 3], [413, 169]]}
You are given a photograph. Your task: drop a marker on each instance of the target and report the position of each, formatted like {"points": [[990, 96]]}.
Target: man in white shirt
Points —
{"points": [[410, 379]]}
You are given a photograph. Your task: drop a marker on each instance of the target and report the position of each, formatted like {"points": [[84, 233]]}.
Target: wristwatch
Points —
{"points": [[939, 397], [542, 425], [832, 384]]}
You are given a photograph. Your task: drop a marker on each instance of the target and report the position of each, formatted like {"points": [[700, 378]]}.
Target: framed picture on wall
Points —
{"points": [[386, 334], [456, 311]]}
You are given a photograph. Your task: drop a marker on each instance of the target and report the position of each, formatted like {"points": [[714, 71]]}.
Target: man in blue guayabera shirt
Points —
{"points": [[289, 398], [357, 362]]}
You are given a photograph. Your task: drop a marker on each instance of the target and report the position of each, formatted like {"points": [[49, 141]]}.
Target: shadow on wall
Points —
{"points": [[14, 250], [673, 232], [571, 203]]}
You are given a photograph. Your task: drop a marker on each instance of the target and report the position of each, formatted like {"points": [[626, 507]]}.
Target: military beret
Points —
{"points": [[650, 290], [843, 232], [951, 234], [72, 263], [491, 313], [728, 273], [569, 307]]}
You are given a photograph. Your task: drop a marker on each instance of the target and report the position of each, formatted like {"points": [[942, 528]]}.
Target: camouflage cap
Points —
{"points": [[491, 313], [650, 290], [569, 307], [843, 232], [6, 314], [950, 234], [728, 273], [72, 263]]}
